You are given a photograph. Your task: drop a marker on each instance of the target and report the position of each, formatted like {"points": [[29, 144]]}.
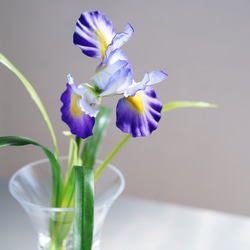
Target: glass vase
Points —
{"points": [[31, 186]]}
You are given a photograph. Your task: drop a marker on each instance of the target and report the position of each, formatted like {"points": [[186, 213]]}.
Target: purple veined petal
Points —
{"points": [[119, 82], [102, 78], [120, 38], [139, 115], [136, 86], [156, 77], [80, 124], [86, 99], [114, 63], [78, 91], [93, 34], [149, 79], [114, 56]]}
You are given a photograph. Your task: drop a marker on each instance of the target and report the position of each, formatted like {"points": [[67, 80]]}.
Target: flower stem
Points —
{"points": [[111, 155]]}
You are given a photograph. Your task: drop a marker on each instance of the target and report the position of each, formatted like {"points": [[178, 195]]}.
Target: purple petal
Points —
{"points": [[93, 34], [115, 62], [86, 99], [156, 77], [136, 86], [139, 115], [120, 39], [80, 124], [149, 79], [118, 82], [101, 78]]}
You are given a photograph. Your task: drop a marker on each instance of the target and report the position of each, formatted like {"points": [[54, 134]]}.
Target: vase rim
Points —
{"points": [[58, 209]]}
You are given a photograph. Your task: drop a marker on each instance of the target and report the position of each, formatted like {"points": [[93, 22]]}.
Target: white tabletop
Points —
{"points": [[149, 225], [139, 224]]}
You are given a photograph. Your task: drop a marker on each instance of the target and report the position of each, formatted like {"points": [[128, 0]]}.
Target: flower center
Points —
{"points": [[103, 41], [75, 111], [136, 102]]}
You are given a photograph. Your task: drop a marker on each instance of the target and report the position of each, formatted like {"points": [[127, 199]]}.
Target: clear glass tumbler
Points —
{"points": [[31, 186]]}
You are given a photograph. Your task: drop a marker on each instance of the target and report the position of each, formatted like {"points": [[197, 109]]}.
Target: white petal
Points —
{"points": [[156, 77], [136, 86]]}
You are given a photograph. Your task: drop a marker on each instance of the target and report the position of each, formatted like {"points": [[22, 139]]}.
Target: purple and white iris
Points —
{"points": [[79, 122], [93, 34], [138, 111]]}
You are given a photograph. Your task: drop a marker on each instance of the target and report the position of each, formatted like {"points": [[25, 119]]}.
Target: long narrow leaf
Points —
{"points": [[33, 95], [93, 143], [57, 180], [61, 227], [72, 156], [84, 208], [186, 104]]}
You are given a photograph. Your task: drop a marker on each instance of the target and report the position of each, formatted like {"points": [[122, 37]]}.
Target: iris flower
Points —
{"points": [[139, 110], [74, 102], [94, 33]]}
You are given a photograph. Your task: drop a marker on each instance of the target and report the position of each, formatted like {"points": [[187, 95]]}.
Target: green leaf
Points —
{"points": [[58, 187], [33, 95], [72, 156], [185, 104], [84, 208], [61, 224], [93, 143]]}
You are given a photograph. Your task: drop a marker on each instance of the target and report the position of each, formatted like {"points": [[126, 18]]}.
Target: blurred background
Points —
{"points": [[197, 157]]}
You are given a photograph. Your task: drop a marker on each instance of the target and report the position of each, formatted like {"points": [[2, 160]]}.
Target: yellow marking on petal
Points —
{"points": [[75, 111], [136, 102], [103, 40]]}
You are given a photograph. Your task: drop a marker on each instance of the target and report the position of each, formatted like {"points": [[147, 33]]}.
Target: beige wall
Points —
{"points": [[196, 157]]}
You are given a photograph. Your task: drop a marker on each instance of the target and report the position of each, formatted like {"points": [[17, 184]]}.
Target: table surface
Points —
{"points": [[138, 224]]}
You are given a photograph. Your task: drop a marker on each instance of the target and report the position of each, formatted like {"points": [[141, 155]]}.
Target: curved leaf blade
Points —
{"points": [[33, 95], [58, 187], [186, 104], [84, 208]]}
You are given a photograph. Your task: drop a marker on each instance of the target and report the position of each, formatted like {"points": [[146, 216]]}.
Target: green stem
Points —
{"points": [[79, 145], [112, 154]]}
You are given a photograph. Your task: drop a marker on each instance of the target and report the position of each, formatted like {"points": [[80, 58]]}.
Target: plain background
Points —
{"points": [[197, 157]]}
